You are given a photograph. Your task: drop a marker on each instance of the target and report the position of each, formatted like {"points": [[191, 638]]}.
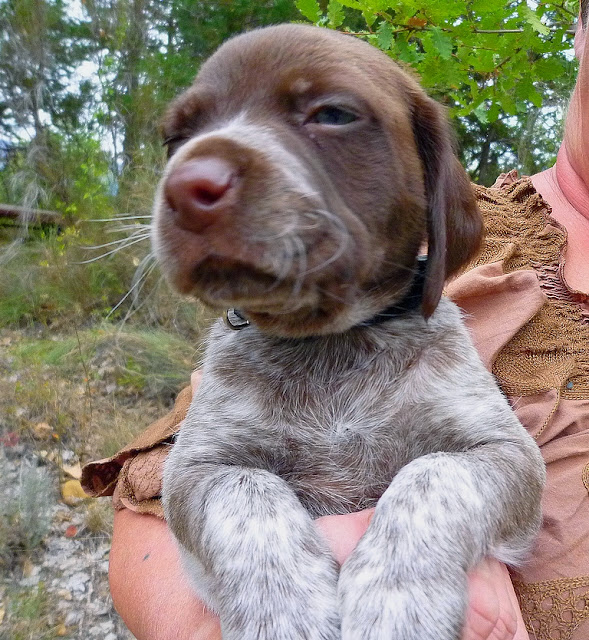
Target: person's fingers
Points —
{"points": [[521, 632], [483, 604], [343, 532], [195, 379], [493, 611]]}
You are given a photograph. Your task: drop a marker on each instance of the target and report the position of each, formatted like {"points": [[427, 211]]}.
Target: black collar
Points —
{"points": [[412, 301]]}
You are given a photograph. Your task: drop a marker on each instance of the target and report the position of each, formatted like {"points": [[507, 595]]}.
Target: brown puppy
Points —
{"points": [[312, 135], [306, 172]]}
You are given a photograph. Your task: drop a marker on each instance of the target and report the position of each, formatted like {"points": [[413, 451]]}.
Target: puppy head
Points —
{"points": [[306, 170]]}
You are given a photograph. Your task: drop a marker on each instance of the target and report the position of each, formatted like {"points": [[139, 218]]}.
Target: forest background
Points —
{"points": [[93, 345]]}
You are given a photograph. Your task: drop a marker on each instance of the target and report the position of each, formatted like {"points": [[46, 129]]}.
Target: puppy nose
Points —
{"points": [[199, 191]]}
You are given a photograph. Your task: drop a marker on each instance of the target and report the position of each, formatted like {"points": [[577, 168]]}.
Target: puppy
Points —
{"points": [[306, 171]]}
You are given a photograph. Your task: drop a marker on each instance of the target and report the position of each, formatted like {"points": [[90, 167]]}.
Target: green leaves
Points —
{"points": [[457, 43], [442, 43], [385, 36], [493, 63], [335, 14], [534, 20], [310, 9], [549, 68]]}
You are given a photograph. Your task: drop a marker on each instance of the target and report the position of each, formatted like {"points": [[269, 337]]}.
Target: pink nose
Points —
{"points": [[200, 191]]}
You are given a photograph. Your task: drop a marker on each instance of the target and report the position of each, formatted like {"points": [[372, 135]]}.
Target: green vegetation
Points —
{"points": [[501, 68], [24, 519], [28, 615], [88, 384], [153, 363]]}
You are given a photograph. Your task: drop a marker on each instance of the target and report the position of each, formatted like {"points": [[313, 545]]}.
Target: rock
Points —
{"points": [[103, 629], [31, 574], [72, 618], [33, 581], [100, 609], [65, 594], [77, 582], [73, 470], [29, 569]]}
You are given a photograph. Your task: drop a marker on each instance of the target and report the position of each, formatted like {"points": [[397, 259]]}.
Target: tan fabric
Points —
{"points": [[133, 476], [140, 482], [543, 367], [532, 331], [555, 609], [483, 290]]}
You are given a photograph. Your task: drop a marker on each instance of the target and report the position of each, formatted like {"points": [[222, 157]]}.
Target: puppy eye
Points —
{"points": [[334, 116], [172, 143]]}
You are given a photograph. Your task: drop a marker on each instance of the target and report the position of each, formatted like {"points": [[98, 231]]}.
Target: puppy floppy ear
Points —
{"points": [[454, 224]]}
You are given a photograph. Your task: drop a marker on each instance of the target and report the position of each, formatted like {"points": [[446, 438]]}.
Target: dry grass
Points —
{"points": [[95, 389], [99, 517], [28, 615], [76, 377]]}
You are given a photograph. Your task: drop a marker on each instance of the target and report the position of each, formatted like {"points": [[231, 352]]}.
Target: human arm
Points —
{"points": [[148, 586], [156, 602]]}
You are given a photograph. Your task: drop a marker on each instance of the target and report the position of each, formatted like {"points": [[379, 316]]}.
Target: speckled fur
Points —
{"points": [[284, 428]]}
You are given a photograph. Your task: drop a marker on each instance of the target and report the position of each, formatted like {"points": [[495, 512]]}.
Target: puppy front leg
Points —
{"points": [[259, 559], [407, 578]]}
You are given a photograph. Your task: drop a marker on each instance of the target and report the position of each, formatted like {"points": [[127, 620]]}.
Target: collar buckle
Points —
{"points": [[234, 320]]}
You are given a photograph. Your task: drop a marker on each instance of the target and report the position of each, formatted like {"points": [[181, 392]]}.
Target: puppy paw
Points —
{"points": [[285, 604], [285, 624], [379, 601]]}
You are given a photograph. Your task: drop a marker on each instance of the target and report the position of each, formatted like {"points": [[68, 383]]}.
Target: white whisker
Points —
{"points": [[122, 241], [301, 252], [138, 283], [286, 262], [117, 218], [115, 250], [130, 227], [345, 237]]}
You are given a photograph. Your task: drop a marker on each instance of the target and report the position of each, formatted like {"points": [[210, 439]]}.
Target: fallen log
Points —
{"points": [[24, 215]]}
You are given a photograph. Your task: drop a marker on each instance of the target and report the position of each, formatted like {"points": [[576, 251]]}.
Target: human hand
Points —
{"points": [[493, 612], [149, 589]]}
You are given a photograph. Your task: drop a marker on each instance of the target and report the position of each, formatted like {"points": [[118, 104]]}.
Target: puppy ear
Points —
{"points": [[454, 224]]}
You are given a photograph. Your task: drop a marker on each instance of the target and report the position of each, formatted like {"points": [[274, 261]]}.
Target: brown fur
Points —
{"points": [[400, 148]]}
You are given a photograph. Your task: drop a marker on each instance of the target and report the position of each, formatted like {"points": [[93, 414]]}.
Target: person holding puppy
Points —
{"points": [[527, 297]]}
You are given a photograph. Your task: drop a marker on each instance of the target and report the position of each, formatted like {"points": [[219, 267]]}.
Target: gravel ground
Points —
{"points": [[70, 564]]}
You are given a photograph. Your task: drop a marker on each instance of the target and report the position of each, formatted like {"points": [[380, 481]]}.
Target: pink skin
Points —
{"points": [[147, 584], [565, 186]]}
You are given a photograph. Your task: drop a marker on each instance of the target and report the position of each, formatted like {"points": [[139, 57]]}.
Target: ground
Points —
{"points": [[66, 398], [60, 588]]}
